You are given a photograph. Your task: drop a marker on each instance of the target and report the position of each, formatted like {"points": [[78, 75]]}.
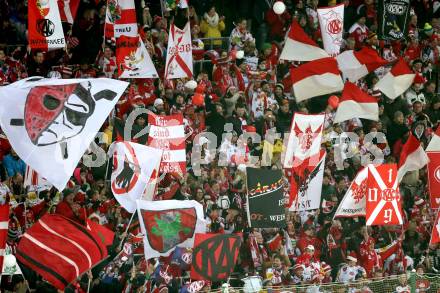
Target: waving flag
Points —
{"points": [[383, 196], [55, 120], [397, 81], [179, 61], [34, 181], [44, 24], [68, 9], [133, 166], [433, 152], [60, 250], [435, 235], [300, 47], [331, 22], [120, 19], [353, 203], [315, 78], [4, 220], [167, 224], [412, 157], [357, 64], [133, 59], [355, 103]]}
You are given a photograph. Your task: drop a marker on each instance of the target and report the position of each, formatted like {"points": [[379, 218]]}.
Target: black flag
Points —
{"points": [[393, 19]]}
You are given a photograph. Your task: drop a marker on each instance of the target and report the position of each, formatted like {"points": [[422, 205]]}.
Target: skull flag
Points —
{"points": [[133, 58], [167, 224], [51, 122], [383, 205], [133, 166], [45, 28]]}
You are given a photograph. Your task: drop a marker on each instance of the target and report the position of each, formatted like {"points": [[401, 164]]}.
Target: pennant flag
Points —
{"points": [[120, 19], [68, 9], [60, 250], [435, 235], [166, 224], [55, 120], [265, 198], [45, 30], [353, 203], [355, 103], [397, 80], [306, 183], [214, 256], [179, 61], [10, 270], [35, 182], [315, 78], [393, 19], [4, 220], [133, 166], [412, 157], [133, 59], [300, 47], [433, 152], [383, 205], [304, 138], [106, 235], [331, 22], [168, 134], [357, 64]]}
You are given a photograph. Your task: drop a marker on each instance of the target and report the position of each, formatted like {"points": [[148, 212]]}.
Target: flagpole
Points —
{"points": [[126, 230]]}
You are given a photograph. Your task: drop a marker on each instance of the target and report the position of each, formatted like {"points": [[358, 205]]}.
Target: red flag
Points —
{"points": [[68, 9], [106, 235], [383, 197], [434, 179], [435, 235], [412, 157], [397, 80], [60, 250], [4, 218], [120, 19]]}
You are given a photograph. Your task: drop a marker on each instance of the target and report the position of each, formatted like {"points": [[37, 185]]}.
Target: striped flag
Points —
{"points": [[60, 250], [397, 81], [120, 19], [4, 219], [412, 157], [168, 134], [35, 181], [68, 9]]}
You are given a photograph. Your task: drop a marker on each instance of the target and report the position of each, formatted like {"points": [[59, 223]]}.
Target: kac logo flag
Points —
{"points": [[393, 19], [331, 21], [45, 28]]}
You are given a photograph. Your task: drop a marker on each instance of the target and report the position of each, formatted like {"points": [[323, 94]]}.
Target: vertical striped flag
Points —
{"points": [[4, 218]]}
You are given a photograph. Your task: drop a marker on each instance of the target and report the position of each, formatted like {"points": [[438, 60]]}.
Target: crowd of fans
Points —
{"points": [[253, 95]]}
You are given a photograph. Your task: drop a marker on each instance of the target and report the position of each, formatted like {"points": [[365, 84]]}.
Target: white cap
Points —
{"points": [[158, 102], [352, 258], [191, 84], [310, 247]]}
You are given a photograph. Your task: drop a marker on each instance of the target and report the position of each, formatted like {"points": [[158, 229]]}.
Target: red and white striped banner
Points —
{"points": [[168, 134], [4, 218], [68, 9], [120, 19], [179, 61]]}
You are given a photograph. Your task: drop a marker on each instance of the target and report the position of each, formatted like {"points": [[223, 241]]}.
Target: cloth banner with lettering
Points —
{"points": [[44, 25], [133, 59], [265, 198], [179, 61], [167, 224], [331, 21], [214, 256], [120, 19], [353, 203], [393, 16], [306, 183], [383, 205], [168, 134]]}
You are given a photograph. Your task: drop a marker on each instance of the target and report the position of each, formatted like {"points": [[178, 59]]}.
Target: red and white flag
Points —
{"points": [[133, 166], [68, 9], [55, 120], [4, 220], [412, 157], [133, 59], [60, 250], [179, 61], [315, 78], [433, 152], [383, 205], [304, 139], [355, 103], [357, 64], [120, 19], [34, 181], [397, 81], [354, 201], [44, 25], [168, 134], [435, 235], [331, 21], [300, 47]]}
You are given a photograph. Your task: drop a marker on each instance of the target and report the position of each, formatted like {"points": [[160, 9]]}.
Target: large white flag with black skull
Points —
{"points": [[51, 122]]}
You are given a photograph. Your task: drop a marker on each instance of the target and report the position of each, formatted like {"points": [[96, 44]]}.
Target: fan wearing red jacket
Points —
{"points": [[308, 238], [70, 209]]}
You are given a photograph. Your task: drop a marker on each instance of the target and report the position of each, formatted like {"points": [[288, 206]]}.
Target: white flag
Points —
{"points": [[179, 53], [331, 21], [353, 203]]}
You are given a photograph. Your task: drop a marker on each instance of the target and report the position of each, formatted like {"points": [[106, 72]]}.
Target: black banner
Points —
{"points": [[266, 204], [393, 19]]}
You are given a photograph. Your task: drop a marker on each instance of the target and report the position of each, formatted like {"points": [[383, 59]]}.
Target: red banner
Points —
{"points": [[434, 179]]}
